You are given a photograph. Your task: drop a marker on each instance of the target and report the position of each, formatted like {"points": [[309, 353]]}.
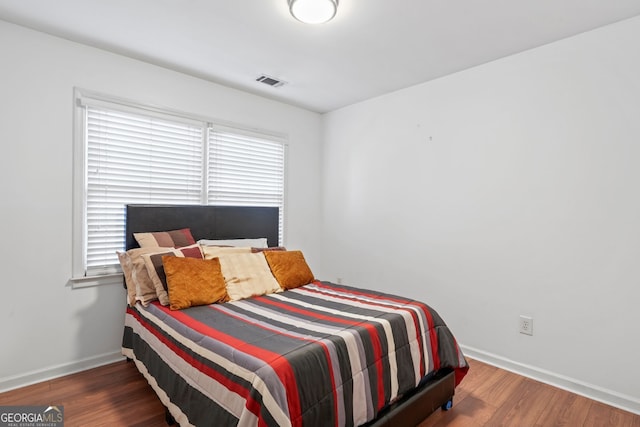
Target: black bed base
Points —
{"points": [[413, 408]]}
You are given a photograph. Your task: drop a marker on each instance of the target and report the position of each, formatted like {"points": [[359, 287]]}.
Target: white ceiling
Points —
{"points": [[372, 46]]}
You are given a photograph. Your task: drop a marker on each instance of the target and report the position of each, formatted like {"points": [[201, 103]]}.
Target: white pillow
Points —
{"points": [[254, 243]]}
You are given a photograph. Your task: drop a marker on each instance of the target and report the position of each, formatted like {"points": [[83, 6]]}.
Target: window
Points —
{"points": [[126, 153]]}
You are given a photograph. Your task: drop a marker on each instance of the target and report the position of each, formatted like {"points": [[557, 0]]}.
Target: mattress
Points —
{"points": [[319, 355]]}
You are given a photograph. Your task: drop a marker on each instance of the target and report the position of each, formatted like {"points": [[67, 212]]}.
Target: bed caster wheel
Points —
{"points": [[448, 405]]}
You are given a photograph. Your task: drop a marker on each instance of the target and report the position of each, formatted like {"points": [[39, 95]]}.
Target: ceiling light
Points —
{"points": [[313, 11]]}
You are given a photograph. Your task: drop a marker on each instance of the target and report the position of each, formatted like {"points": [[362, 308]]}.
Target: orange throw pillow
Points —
{"points": [[193, 281], [289, 268]]}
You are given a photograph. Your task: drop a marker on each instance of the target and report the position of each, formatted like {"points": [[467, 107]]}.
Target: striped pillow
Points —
{"points": [[272, 248], [165, 239], [155, 267]]}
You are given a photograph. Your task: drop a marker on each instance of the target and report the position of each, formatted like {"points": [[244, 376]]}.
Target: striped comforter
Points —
{"points": [[319, 355]]}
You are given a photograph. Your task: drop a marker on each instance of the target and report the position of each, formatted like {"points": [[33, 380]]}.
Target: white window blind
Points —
{"points": [[127, 153], [245, 170], [134, 158]]}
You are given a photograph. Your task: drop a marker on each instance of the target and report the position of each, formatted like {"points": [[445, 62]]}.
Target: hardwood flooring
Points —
{"points": [[118, 395], [489, 396], [111, 395]]}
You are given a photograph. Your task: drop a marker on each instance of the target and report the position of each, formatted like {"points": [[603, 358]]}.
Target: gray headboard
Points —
{"points": [[205, 222]]}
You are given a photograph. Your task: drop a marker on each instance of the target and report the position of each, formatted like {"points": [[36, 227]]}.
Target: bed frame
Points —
{"points": [[234, 222]]}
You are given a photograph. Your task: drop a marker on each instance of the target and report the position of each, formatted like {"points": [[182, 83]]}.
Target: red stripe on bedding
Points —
{"points": [[279, 364], [323, 345], [337, 293], [373, 334], [251, 404], [433, 338]]}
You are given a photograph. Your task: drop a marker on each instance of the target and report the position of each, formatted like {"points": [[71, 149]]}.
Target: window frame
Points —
{"points": [[83, 98]]}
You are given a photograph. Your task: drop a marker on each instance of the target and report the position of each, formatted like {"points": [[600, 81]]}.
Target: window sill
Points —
{"points": [[91, 281]]}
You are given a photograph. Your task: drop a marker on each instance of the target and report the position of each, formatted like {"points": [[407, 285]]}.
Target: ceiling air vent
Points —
{"points": [[271, 81]]}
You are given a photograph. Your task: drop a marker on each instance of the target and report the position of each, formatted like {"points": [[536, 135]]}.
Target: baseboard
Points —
{"points": [[33, 377], [600, 394]]}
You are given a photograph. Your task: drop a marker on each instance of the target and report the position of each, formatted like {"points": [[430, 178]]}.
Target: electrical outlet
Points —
{"points": [[526, 325]]}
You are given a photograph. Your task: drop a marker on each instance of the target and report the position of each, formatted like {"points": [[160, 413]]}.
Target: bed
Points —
{"points": [[318, 354]]}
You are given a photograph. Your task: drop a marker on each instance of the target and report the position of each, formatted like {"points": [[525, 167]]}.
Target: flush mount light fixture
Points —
{"points": [[313, 11]]}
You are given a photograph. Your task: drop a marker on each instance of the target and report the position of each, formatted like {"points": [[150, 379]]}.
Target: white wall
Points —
{"points": [[510, 188], [46, 328]]}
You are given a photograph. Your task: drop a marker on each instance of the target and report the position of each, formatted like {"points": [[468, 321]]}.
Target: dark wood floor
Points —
{"points": [[118, 395]]}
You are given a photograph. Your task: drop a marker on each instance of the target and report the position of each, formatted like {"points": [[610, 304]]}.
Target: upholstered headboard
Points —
{"points": [[205, 222]]}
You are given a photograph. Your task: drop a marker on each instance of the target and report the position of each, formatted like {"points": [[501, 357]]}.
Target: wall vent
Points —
{"points": [[271, 81]]}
